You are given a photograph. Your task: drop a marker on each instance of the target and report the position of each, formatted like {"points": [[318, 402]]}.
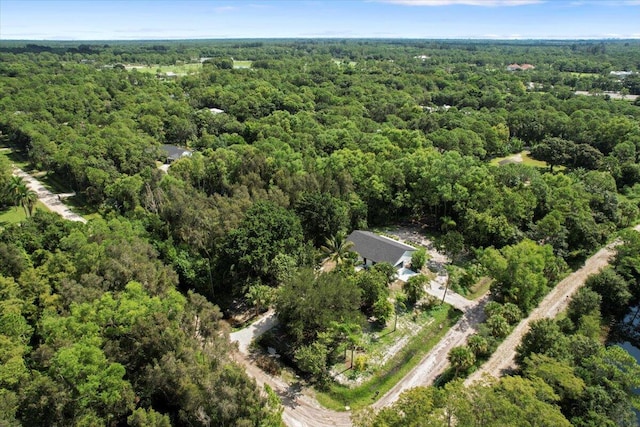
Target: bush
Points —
{"points": [[269, 365], [383, 310], [360, 363], [418, 259], [414, 288]]}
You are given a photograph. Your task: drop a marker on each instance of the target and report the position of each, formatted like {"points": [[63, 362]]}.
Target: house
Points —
{"points": [[373, 249], [216, 110], [523, 67], [621, 74], [173, 152]]}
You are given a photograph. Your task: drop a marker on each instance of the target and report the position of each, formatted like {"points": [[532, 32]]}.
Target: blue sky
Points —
{"points": [[160, 19]]}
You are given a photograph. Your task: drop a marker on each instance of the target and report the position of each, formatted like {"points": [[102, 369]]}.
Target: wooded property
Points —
{"points": [[289, 165]]}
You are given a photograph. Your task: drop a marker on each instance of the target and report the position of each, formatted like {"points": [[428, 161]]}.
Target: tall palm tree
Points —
{"points": [[15, 188], [338, 248], [28, 201], [21, 195]]}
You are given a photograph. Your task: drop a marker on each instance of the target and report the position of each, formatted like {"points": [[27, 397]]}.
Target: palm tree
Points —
{"points": [[15, 188], [338, 248], [28, 201], [461, 359], [260, 296]]}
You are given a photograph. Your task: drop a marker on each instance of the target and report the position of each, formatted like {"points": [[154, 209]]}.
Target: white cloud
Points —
{"points": [[485, 3]]}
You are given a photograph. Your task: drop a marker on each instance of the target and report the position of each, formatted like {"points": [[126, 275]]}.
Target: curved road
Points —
{"points": [[52, 201], [301, 410]]}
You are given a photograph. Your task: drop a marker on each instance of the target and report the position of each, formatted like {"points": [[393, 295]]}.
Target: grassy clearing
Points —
{"points": [[15, 158], [341, 63], [530, 161], [242, 64], [338, 396], [526, 160], [573, 73], [179, 69], [14, 215], [479, 289]]}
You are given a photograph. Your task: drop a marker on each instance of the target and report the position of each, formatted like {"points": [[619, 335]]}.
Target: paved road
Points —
{"points": [[53, 202]]}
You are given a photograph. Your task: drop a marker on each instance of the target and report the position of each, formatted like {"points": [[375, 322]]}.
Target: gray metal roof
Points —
{"points": [[377, 248], [173, 152]]}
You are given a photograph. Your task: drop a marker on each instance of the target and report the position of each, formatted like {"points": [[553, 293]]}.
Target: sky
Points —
{"points": [[220, 19]]}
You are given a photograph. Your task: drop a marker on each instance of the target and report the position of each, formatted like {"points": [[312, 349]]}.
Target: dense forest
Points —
{"points": [[120, 320]]}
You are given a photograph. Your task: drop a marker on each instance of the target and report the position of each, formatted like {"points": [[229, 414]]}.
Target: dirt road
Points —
{"points": [[53, 202], [300, 410], [245, 336], [303, 410], [557, 300], [435, 362]]}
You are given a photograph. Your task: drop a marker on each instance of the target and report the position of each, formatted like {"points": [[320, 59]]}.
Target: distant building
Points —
{"points": [[523, 67], [215, 110], [173, 152], [621, 74]]}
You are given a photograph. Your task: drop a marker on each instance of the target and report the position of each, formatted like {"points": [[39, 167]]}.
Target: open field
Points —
{"points": [[612, 95], [242, 64], [179, 69]]}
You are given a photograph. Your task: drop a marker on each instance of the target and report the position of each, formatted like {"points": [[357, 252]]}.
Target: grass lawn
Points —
{"points": [[338, 396], [242, 64], [15, 158], [13, 215], [530, 161], [526, 160], [479, 289]]}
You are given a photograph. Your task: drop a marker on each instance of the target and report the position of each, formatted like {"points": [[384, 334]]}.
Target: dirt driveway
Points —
{"points": [[52, 201]]}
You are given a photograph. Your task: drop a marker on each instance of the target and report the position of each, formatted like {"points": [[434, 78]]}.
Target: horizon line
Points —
{"points": [[487, 38]]}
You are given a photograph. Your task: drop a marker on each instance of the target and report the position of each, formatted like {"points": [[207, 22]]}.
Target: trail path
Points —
{"points": [[502, 361], [52, 201]]}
